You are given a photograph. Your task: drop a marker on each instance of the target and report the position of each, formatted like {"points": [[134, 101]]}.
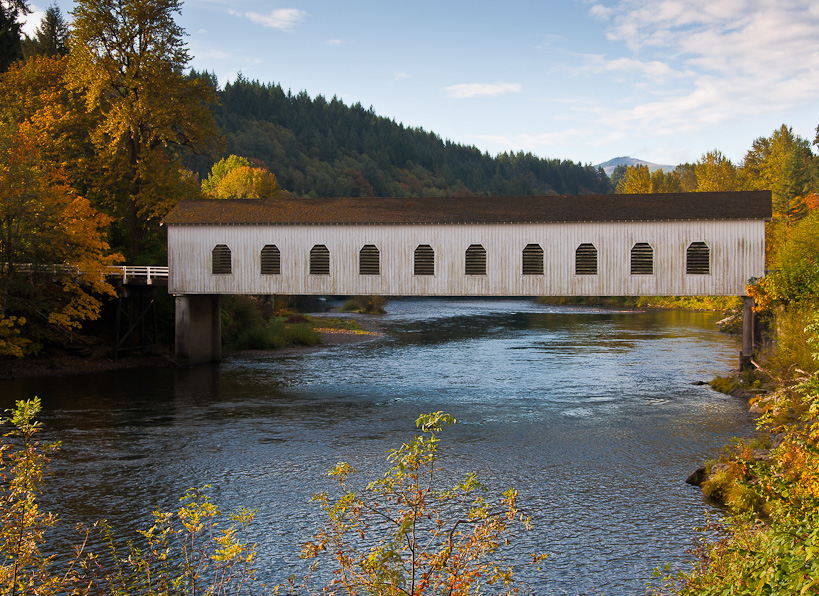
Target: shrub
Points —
{"points": [[371, 305], [408, 533]]}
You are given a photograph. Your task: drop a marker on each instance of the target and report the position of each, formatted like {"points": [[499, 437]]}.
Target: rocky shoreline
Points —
{"points": [[712, 470]]}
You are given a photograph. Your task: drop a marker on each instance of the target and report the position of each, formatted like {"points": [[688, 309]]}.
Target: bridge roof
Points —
{"points": [[483, 210]]}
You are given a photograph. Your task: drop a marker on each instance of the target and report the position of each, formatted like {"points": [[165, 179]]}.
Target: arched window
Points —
{"points": [[220, 260], [424, 260], [585, 260], [475, 260], [533, 260], [319, 260], [642, 259], [369, 260], [698, 259], [271, 260]]}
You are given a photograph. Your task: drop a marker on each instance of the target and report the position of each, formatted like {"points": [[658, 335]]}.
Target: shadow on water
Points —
{"points": [[590, 414]]}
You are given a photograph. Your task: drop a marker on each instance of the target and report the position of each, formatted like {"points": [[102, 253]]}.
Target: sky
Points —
{"points": [[660, 80]]}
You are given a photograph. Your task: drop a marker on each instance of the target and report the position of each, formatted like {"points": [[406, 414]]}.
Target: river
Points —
{"points": [[589, 413]]}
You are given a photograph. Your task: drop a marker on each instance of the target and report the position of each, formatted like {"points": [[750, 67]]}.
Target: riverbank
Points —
{"points": [[57, 362]]}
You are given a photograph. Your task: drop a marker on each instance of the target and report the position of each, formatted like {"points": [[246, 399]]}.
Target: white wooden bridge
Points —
{"points": [[586, 245]]}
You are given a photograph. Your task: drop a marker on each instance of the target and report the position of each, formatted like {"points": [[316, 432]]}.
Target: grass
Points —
{"points": [[688, 302]]}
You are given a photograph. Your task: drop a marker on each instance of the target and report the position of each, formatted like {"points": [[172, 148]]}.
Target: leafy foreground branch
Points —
{"points": [[406, 535], [401, 535]]}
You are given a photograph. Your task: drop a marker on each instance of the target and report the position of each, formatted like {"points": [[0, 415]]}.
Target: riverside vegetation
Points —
{"points": [[413, 531], [769, 540]]}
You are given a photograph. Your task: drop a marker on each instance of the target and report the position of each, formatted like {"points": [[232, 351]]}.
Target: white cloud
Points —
{"points": [[400, 76], [729, 59], [654, 69], [333, 42], [482, 89], [598, 11], [31, 21], [283, 19]]}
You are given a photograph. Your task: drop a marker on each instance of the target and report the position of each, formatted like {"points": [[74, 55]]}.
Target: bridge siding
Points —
{"points": [[737, 253]]}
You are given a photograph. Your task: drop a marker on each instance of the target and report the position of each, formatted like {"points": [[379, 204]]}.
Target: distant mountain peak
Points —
{"points": [[608, 166]]}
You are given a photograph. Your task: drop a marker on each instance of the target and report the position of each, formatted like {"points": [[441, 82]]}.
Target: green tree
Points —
{"points": [[51, 37], [128, 57], [11, 31], [784, 164]]}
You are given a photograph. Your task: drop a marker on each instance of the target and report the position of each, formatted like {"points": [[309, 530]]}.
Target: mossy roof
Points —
{"points": [[750, 205]]}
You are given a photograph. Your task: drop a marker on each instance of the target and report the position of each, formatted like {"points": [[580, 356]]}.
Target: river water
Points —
{"points": [[589, 413]]}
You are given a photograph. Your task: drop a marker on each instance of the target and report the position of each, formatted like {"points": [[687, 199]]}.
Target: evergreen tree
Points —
{"points": [[11, 31], [51, 37]]}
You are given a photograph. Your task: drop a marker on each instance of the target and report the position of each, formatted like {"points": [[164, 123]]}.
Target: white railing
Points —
{"points": [[148, 273], [139, 272]]}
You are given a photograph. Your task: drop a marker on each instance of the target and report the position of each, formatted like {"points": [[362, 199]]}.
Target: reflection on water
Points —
{"points": [[590, 414]]}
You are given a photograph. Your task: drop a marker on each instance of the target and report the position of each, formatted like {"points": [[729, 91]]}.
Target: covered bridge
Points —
{"points": [[584, 245]]}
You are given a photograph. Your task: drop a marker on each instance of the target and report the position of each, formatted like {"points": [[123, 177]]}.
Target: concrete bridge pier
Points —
{"points": [[198, 328], [748, 339]]}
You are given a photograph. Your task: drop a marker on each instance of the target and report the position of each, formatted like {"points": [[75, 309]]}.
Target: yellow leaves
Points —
{"points": [[412, 533], [234, 178], [11, 342]]}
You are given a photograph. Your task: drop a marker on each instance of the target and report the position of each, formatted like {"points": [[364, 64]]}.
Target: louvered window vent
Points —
{"points": [[220, 260], [642, 259], [585, 260], [319, 260], [533, 260], [271, 260], [475, 260], [698, 259], [369, 260], [424, 260]]}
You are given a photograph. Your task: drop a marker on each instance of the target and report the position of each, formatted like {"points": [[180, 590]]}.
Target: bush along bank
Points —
{"points": [[768, 542]]}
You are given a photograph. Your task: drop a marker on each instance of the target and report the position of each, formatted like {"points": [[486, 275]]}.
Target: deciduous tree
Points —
{"points": [[128, 57], [53, 255], [637, 179], [234, 178], [715, 173]]}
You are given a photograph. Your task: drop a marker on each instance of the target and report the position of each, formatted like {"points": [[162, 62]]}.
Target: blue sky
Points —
{"points": [[660, 80]]}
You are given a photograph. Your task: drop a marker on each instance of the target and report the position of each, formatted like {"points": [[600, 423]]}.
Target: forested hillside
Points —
{"points": [[320, 148]]}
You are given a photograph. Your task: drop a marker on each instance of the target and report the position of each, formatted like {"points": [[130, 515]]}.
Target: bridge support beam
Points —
{"points": [[747, 333], [198, 329]]}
